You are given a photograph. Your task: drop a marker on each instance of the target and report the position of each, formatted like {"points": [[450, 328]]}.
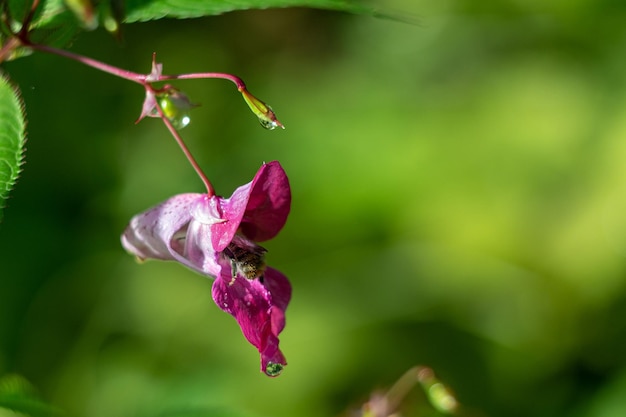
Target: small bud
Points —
{"points": [[264, 112], [155, 71], [440, 396], [85, 12], [389, 404], [150, 102], [112, 16]]}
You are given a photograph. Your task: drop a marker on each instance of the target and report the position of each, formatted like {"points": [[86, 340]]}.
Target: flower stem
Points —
{"points": [[209, 187], [233, 78], [130, 75]]}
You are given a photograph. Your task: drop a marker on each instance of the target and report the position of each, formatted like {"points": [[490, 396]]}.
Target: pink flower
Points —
{"points": [[217, 237]]}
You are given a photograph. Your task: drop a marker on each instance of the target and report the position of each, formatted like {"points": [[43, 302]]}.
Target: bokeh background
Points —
{"points": [[459, 201]]}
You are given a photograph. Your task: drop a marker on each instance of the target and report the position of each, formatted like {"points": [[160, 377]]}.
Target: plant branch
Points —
{"points": [[118, 72], [233, 78], [29, 17]]}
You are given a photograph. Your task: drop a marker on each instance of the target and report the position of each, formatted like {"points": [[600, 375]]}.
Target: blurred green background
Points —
{"points": [[459, 201]]}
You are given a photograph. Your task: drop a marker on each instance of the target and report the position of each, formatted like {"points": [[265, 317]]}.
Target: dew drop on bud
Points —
{"points": [[268, 124], [273, 369], [176, 106], [263, 111], [180, 120]]}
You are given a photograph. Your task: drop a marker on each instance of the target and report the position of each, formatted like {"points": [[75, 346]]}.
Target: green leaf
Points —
{"points": [[12, 138], [52, 24], [56, 25], [19, 396], [142, 10]]}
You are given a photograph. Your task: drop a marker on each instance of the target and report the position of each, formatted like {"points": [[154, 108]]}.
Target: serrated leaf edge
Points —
{"points": [[21, 156]]}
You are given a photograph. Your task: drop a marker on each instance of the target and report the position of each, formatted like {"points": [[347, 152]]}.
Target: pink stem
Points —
{"points": [[118, 72], [133, 76], [236, 80], [183, 147]]}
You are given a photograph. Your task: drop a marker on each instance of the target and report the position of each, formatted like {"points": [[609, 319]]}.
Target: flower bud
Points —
{"points": [[439, 396], [112, 16], [85, 12], [266, 115]]}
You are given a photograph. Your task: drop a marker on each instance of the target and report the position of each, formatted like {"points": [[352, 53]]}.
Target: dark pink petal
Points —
{"points": [[260, 207], [232, 210], [268, 205], [278, 285], [259, 308]]}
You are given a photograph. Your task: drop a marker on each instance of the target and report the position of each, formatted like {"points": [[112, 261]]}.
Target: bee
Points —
{"points": [[246, 258]]}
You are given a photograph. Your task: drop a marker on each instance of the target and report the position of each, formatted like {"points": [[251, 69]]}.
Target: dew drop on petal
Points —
{"points": [[273, 369]]}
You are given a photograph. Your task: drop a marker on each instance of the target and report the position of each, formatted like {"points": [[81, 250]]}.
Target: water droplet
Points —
{"points": [[263, 111], [273, 369], [175, 113], [268, 124], [175, 106], [184, 121]]}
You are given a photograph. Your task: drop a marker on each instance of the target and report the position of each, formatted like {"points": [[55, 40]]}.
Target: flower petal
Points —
{"points": [[232, 210], [259, 308], [168, 232], [199, 251], [259, 207], [269, 203], [278, 285]]}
